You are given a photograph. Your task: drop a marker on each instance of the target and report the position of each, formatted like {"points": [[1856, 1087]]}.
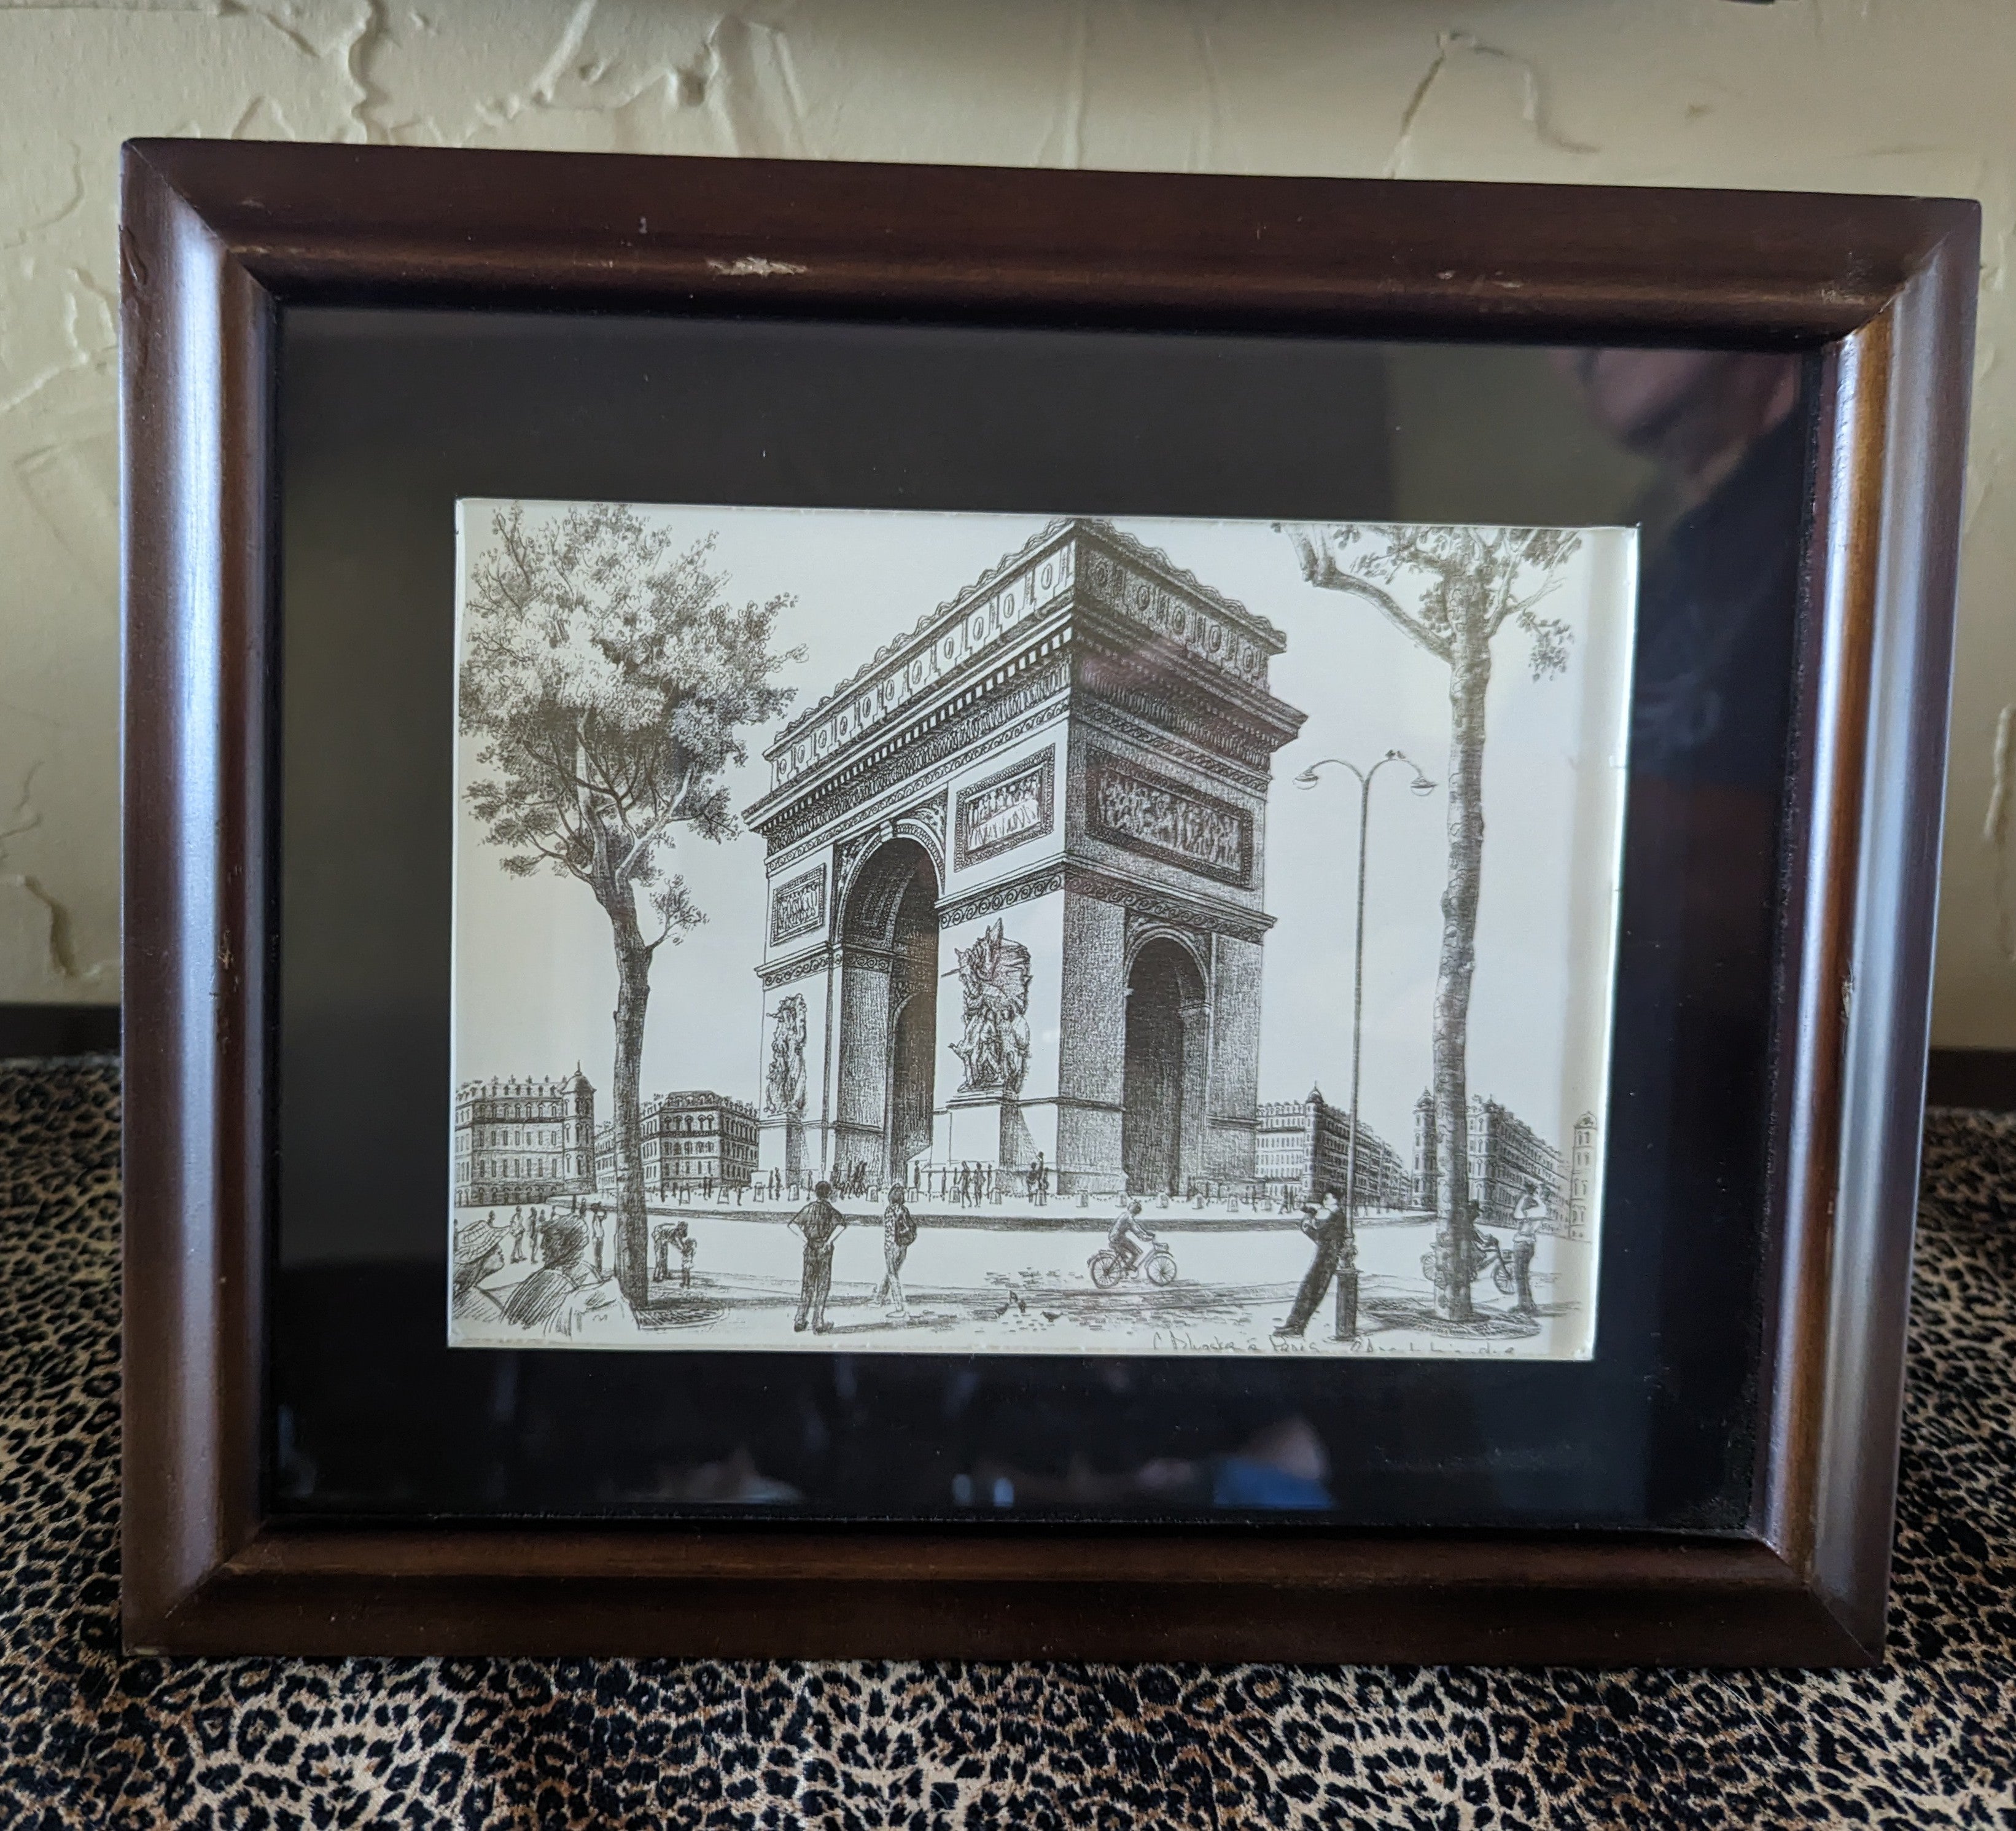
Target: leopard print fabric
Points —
{"points": [[89, 1738]]}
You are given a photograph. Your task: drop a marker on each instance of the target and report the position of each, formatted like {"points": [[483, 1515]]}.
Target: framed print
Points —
{"points": [[902, 911]]}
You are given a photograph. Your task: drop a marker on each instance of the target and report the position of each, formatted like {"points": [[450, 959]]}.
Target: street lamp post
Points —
{"points": [[1347, 1282]]}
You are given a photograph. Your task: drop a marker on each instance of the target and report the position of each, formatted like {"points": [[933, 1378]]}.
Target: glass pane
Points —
{"points": [[389, 417]]}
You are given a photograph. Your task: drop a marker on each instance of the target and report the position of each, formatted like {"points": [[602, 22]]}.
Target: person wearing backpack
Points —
{"points": [[899, 1232]]}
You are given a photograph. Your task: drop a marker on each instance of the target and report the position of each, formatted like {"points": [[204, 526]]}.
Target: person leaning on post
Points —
{"points": [[1335, 1257]]}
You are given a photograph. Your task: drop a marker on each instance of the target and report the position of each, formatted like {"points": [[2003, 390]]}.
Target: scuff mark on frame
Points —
{"points": [[753, 264]]}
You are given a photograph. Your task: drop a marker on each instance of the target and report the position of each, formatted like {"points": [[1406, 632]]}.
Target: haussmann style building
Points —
{"points": [[690, 1137], [1304, 1148], [1584, 1169], [1016, 873], [1506, 1155], [519, 1141]]}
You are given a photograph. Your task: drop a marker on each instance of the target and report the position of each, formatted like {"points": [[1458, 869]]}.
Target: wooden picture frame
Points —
{"points": [[216, 238]]}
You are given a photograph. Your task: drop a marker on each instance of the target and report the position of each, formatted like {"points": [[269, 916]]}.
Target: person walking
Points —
{"points": [[600, 1237], [820, 1223], [517, 1237], [899, 1233], [1335, 1257], [1039, 1182]]}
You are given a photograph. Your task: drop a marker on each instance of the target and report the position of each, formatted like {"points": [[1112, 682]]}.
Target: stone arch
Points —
{"points": [[1167, 1066], [919, 826], [915, 824], [1141, 934], [888, 954]]}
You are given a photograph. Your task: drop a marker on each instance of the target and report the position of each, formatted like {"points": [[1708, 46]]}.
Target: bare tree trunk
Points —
{"points": [[633, 992], [633, 1246], [1456, 1245]]}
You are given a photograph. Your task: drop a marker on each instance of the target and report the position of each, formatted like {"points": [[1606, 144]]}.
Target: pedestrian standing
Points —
{"points": [[1526, 1219], [899, 1233], [600, 1237], [820, 1223], [517, 1238]]}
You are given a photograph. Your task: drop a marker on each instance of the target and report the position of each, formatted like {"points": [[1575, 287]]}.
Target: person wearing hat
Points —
{"points": [[479, 1251]]}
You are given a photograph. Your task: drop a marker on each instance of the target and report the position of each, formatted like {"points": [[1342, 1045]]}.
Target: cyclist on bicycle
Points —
{"points": [[1128, 1237]]}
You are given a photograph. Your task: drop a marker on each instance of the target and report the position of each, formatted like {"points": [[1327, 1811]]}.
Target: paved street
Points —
{"points": [[1019, 1283]]}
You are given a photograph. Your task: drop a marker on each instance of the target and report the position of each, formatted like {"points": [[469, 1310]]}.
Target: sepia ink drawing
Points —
{"points": [[915, 933]]}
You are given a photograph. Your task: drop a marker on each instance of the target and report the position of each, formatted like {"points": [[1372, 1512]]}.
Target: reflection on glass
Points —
{"points": [[1715, 625], [1711, 755]]}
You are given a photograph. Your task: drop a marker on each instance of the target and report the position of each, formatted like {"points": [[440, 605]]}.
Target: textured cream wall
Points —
{"points": [[1912, 96]]}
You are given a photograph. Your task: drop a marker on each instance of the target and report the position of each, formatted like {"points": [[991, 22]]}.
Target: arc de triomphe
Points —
{"points": [[1015, 883]]}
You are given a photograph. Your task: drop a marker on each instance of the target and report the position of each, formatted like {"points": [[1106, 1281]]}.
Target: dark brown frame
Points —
{"points": [[214, 237]]}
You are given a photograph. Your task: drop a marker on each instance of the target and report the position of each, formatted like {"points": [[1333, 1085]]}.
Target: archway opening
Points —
{"points": [[1163, 1091], [888, 1013]]}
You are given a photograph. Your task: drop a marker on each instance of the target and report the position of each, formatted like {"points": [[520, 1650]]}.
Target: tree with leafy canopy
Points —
{"points": [[1450, 590], [609, 681]]}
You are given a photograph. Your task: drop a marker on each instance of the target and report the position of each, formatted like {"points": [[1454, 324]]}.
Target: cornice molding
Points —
{"points": [[1203, 912], [1045, 881], [940, 754], [786, 972]]}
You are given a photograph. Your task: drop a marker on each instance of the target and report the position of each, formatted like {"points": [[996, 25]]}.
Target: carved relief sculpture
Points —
{"points": [[784, 1086], [993, 987], [1149, 814], [1006, 810], [799, 907]]}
